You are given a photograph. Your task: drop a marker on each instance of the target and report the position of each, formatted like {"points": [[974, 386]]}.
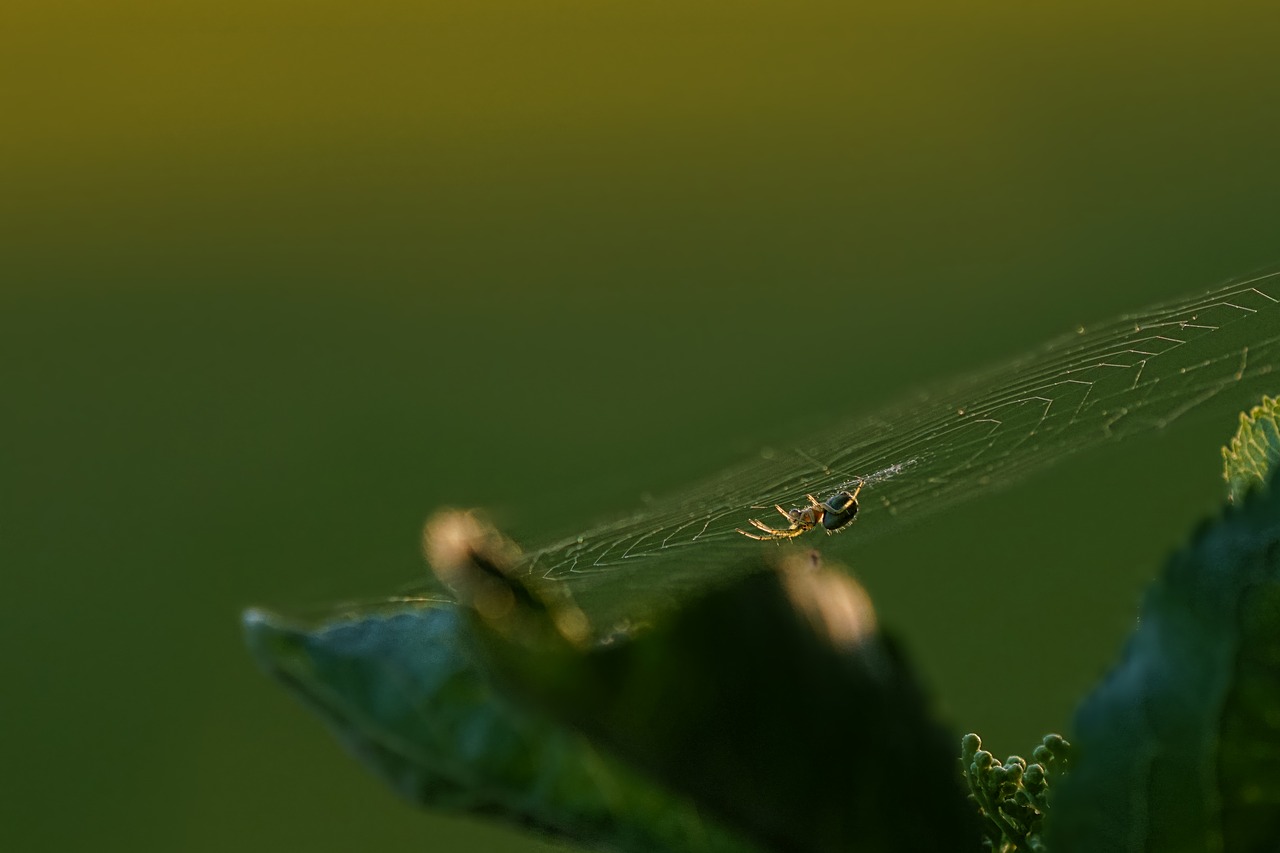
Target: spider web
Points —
{"points": [[1104, 383]]}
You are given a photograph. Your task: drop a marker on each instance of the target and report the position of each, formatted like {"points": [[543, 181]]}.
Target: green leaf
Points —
{"points": [[402, 694], [1179, 748], [775, 702], [1254, 450]]}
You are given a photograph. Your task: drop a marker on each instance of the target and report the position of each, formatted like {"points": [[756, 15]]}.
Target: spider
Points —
{"points": [[834, 514]]}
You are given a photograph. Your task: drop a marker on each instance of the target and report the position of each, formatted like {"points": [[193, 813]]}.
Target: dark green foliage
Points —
{"points": [[1179, 748], [401, 693], [771, 710], [1249, 755], [801, 728]]}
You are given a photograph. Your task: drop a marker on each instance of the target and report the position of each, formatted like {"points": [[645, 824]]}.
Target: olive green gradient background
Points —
{"points": [[278, 279]]}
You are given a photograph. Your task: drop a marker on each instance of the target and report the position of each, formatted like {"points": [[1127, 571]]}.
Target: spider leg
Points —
{"points": [[854, 494], [760, 525], [770, 533], [783, 512]]}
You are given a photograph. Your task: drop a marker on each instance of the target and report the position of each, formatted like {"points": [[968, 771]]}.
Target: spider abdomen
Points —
{"points": [[839, 511]]}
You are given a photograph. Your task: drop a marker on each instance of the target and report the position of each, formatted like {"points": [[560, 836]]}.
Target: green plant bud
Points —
{"points": [[1057, 745]]}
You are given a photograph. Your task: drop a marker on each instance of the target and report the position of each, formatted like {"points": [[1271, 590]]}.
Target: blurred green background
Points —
{"points": [[278, 279]]}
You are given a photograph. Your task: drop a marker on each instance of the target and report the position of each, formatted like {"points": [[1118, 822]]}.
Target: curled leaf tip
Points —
{"points": [[1253, 451], [481, 566]]}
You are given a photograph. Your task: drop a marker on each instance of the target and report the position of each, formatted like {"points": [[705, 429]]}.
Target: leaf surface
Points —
{"points": [[401, 692], [774, 701], [1179, 747]]}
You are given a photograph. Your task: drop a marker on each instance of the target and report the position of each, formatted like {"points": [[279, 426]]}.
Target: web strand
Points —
{"points": [[1100, 384]]}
